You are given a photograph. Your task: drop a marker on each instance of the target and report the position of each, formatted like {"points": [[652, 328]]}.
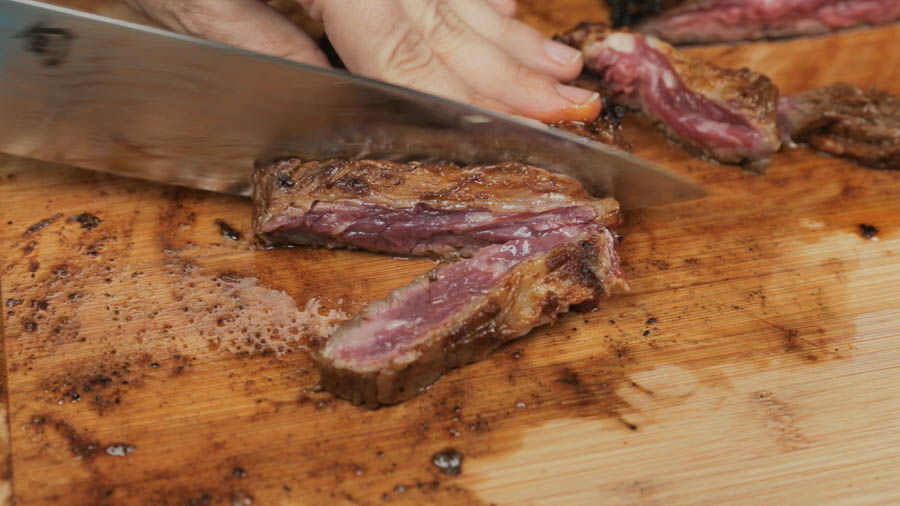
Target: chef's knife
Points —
{"points": [[107, 95]]}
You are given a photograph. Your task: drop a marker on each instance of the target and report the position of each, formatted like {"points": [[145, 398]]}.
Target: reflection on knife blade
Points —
{"points": [[142, 102]]}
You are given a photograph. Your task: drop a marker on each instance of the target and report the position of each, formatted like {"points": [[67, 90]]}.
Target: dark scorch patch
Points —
{"points": [[87, 220]]}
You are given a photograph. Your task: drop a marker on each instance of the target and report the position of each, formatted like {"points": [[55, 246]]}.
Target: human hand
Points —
{"points": [[468, 50]]}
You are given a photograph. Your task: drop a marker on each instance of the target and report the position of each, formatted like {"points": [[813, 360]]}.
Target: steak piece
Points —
{"points": [[397, 346], [630, 12], [416, 208], [846, 121], [708, 21], [724, 114]]}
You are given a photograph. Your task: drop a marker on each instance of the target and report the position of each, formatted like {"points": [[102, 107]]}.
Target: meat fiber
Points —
{"points": [[398, 346], [416, 208], [846, 121], [733, 20], [724, 114]]}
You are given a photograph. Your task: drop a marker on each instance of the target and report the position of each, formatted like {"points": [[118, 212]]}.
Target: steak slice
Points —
{"points": [[416, 208], [397, 346], [846, 121], [708, 21], [724, 114]]}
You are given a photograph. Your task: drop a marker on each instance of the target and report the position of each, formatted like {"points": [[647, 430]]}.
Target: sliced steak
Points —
{"points": [[733, 20], [416, 208], [727, 115], [395, 347], [846, 121], [630, 12]]}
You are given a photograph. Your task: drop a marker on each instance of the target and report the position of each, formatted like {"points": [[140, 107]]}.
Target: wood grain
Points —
{"points": [[152, 361]]}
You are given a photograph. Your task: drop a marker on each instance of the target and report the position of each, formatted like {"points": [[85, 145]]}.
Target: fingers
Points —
{"points": [[520, 41], [493, 73], [248, 24], [504, 7], [391, 49]]}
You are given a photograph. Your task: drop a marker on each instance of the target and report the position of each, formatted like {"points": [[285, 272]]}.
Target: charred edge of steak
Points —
{"points": [[846, 121], [630, 12], [728, 115], [607, 128], [712, 21], [578, 272]]}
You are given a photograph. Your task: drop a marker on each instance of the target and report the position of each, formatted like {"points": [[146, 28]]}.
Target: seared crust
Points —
{"points": [[535, 292], [846, 121]]}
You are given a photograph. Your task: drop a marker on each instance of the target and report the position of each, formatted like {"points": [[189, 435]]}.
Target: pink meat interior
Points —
{"points": [[788, 15], [639, 77], [415, 230], [391, 330]]}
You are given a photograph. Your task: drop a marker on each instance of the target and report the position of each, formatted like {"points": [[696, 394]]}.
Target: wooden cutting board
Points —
{"points": [[154, 361]]}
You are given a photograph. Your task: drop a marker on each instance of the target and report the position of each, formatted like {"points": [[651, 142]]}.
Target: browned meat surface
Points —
{"points": [[724, 114], [846, 121], [630, 12], [398, 346], [707, 21], [607, 128], [416, 208]]}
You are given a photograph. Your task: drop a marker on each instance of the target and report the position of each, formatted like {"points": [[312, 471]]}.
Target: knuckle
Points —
{"points": [[190, 17], [441, 25], [315, 8], [407, 57]]}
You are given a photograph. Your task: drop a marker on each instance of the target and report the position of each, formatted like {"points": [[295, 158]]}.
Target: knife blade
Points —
{"points": [[113, 96]]}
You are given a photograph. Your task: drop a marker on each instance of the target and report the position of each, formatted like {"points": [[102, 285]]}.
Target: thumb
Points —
{"points": [[247, 24]]}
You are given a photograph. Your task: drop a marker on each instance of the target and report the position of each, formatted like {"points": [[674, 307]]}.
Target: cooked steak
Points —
{"points": [[630, 12], [416, 208], [732, 20], [398, 346], [846, 121], [725, 114]]}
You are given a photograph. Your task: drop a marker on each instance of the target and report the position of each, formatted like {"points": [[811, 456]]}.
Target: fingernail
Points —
{"points": [[561, 53], [579, 96]]}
